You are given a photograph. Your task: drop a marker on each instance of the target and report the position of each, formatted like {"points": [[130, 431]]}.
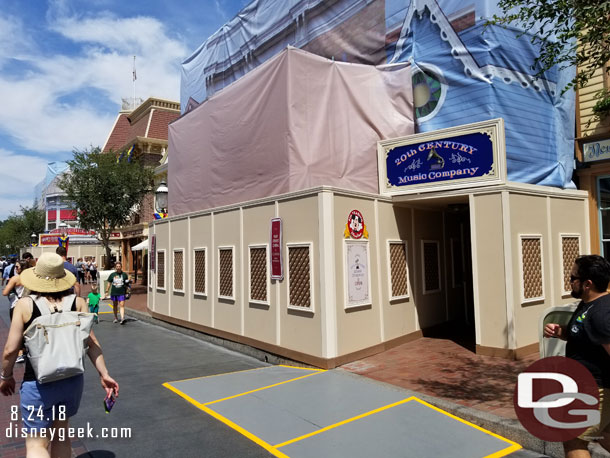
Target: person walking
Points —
{"points": [[49, 283], [61, 251], [117, 290], [588, 342]]}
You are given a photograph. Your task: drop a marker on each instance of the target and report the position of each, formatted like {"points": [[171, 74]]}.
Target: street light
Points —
{"points": [[34, 238], [161, 197]]}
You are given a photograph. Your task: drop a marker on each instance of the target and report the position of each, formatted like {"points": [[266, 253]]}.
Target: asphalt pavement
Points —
{"points": [[169, 405]]}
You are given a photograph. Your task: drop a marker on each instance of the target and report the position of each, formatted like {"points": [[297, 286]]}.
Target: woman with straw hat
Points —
{"points": [[50, 285]]}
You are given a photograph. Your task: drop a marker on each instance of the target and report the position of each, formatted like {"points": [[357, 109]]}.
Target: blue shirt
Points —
{"points": [[70, 267]]}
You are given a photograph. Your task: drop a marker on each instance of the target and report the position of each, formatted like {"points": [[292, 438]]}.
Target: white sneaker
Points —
{"points": [[115, 321], [20, 359]]}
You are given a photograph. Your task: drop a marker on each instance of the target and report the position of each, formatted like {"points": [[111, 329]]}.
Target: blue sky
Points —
{"points": [[65, 65]]}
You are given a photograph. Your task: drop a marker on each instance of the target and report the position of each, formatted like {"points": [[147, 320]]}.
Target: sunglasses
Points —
{"points": [[573, 277]]}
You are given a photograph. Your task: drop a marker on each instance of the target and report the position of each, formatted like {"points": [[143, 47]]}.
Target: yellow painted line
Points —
{"points": [[506, 451], [216, 375], [349, 420], [302, 368], [514, 446], [271, 449], [260, 389]]}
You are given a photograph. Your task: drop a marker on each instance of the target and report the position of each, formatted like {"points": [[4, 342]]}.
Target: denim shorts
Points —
{"points": [[118, 298], [49, 396]]}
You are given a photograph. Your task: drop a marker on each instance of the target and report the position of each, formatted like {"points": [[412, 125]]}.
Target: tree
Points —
{"points": [[17, 229], [571, 33], [104, 188]]}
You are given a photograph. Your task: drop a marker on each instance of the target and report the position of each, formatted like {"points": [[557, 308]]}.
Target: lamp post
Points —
{"points": [[161, 197]]}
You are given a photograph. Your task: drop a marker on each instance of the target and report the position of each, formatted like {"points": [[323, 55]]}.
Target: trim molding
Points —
{"points": [[517, 354], [322, 363]]}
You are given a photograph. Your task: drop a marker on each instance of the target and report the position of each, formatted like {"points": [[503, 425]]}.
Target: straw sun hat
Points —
{"points": [[48, 276]]}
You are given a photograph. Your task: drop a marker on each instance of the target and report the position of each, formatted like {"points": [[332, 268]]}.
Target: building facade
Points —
{"points": [[141, 133]]}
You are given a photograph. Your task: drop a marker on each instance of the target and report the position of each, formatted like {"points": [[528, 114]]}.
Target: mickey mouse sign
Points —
{"points": [[355, 227]]}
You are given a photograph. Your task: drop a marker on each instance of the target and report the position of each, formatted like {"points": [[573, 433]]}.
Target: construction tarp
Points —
{"points": [[295, 122], [463, 69]]}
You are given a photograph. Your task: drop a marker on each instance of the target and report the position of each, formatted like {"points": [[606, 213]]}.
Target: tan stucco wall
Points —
{"points": [[227, 312], [394, 224], [301, 331], [549, 217], [357, 327], [490, 283], [201, 237], [260, 320], [180, 239], [161, 303]]}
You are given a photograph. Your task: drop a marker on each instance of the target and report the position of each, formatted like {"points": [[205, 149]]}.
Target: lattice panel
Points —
{"points": [[398, 269], [570, 247], [531, 254], [226, 273], [160, 269], [258, 274], [298, 270], [179, 270], [200, 272], [432, 281]]}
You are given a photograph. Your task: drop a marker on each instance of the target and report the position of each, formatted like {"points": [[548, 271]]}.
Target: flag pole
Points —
{"points": [[134, 82]]}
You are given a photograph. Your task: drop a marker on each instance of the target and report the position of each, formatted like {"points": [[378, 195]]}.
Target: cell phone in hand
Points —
{"points": [[109, 403]]}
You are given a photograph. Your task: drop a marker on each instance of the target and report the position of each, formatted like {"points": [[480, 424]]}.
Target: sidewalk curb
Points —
{"points": [[505, 427]]}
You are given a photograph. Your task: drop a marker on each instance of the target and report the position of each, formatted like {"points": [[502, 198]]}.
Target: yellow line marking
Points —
{"points": [[349, 420], [260, 389], [504, 452], [513, 444], [271, 449], [513, 447], [303, 368]]}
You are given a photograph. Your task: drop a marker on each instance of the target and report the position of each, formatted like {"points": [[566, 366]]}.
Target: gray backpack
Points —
{"points": [[56, 342]]}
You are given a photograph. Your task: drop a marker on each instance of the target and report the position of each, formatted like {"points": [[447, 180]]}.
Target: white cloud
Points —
{"points": [[62, 103], [19, 174]]}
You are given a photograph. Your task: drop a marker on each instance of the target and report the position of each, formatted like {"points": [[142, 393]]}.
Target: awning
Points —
{"points": [[140, 246]]}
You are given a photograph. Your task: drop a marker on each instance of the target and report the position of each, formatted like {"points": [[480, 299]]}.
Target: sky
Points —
{"points": [[65, 66]]}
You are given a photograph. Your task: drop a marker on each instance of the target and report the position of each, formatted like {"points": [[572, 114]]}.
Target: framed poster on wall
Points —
{"points": [[357, 273]]}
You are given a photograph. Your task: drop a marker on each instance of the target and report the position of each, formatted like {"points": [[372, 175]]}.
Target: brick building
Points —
{"points": [[144, 132]]}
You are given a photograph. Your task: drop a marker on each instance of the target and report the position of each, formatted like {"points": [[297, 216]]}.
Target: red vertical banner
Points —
{"points": [[277, 262], [153, 252]]}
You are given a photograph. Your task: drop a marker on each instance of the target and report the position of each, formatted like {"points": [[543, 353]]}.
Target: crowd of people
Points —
{"points": [[55, 283]]}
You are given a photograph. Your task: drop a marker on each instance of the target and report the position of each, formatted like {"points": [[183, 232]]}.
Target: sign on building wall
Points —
{"points": [[153, 252], [596, 151], [277, 264], [357, 273], [459, 157]]}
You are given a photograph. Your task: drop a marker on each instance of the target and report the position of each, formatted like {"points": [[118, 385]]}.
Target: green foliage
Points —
{"points": [[572, 32], [16, 230], [602, 106], [104, 191]]}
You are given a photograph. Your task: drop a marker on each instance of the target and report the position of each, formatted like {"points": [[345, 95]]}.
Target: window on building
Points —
{"points": [[570, 250], [258, 274], [179, 270], [299, 277], [531, 268], [161, 269], [200, 271], [399, 279], [603, 186], [226, 277]]}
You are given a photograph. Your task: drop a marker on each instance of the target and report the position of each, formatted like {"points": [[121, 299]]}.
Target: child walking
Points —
{"points": [[93, 300]]}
